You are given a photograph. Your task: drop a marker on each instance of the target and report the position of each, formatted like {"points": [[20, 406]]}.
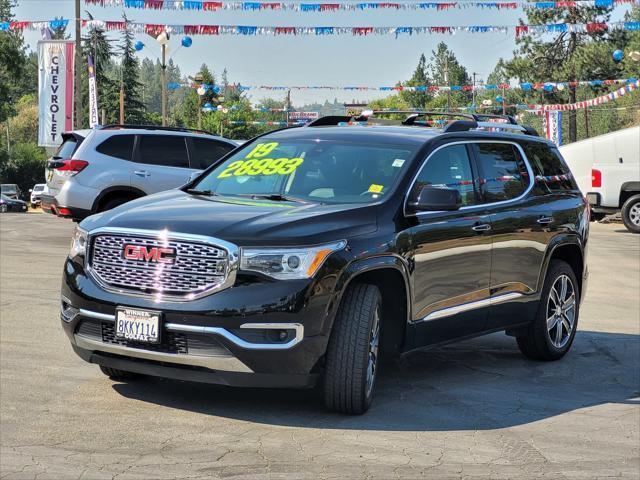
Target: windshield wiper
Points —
{"points": [[276, 197], [195, 191]]}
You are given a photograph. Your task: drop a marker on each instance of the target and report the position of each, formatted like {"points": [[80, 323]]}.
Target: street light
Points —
{"points": [[163, 39]]}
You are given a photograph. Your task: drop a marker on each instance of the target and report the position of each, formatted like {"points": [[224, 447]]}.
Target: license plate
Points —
{"points": [[138, 325]]}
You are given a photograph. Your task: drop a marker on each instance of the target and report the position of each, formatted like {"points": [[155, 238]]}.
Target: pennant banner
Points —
{"points": [[591, 102], [322, 7], [154, 29], [546, 86]]}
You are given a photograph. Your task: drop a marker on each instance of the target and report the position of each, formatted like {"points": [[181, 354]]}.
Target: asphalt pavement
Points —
{"points": [[475, 409]]}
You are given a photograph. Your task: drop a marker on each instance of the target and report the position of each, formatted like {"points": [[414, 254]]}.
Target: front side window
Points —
{"points": [[311, 170], [118, 146], [164, 150], [449, 167], [503, 174]]}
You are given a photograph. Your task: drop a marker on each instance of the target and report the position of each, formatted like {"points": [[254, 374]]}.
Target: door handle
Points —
{"points": [[141, 173], [544, 220], [483, 227]]}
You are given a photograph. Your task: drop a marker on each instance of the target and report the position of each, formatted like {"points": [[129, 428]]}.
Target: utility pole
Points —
{"points": [[121, 103], [473, 90], [446, 80], [163, 79], [288, 105], [76, 78]]}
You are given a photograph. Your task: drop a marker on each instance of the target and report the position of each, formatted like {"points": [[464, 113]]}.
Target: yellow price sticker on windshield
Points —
{"points": [[262, 150], [373, 188], [257, 166]]}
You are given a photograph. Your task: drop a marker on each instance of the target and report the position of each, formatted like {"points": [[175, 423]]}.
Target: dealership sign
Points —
{"points": [[303, 115], [55, 91]]}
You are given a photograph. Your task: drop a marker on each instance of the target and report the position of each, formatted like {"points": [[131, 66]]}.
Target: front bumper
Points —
{"points": [[221, 338]]}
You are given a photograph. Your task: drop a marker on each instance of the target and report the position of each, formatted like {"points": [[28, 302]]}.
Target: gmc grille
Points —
{"points": [[196, 269]]}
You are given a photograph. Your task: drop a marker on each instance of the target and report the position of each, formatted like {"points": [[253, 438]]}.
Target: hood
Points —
{"points": [[242, 221]]}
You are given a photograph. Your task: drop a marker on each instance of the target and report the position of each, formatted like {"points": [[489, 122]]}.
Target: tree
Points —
{"points": [[420, 77], [96, 44], [129, 78], [570, 56], [445, 69], [12, 62]]}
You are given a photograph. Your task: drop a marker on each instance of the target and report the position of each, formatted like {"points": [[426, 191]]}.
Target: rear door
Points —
{"points": [[161, 163], [451, 253], [520, 221]]}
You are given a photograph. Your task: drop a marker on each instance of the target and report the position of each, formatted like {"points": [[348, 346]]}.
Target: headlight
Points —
{"points": [[287, 263], [78, 243]]}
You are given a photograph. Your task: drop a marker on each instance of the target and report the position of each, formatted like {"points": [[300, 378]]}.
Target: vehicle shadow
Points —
{"points": [[479, 384]]}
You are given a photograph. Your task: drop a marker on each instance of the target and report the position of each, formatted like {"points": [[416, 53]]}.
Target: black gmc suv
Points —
{"points": [[309, 253]]}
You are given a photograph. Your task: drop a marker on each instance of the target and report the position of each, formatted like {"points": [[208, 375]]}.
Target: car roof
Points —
{"points": [[393, 134]]}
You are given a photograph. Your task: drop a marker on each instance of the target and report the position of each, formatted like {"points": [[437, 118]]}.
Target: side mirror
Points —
{"points": [[30, 190], [433, 199]]}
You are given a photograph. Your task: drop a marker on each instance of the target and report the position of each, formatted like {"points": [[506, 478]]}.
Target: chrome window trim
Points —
{"points": [[233, 260], [222, 332], [465, 307], [480, 205]]}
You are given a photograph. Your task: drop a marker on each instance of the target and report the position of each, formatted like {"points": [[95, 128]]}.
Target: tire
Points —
{"points": [[115, 374], [352, 354], [113, 203], [541, 342], [631, 214]]}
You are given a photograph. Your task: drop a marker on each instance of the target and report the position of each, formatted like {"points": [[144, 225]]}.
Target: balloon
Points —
{"points": [[201, 91], [499, 99], [486, 102], [207, 105], [220, 107], [225, 110], [186, 42], [635, 56], [618, 55], [138, 45], [560, 87], [548, 87]]}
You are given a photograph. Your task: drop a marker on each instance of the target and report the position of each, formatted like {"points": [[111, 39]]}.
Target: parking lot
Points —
{"points": [[473, 409]]}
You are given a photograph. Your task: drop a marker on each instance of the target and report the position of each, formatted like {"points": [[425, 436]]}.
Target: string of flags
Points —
{"points": [[353, 6], [526, 86], [592, 102], [248, 30]]}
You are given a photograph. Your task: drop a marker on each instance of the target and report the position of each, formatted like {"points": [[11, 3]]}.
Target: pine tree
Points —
{"points": [[445, 69], [567, 57], [96, 44], [420, 77], [129, 78]]}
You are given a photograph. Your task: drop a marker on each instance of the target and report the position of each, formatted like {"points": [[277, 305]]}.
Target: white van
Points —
{"points": [[607, 169]]}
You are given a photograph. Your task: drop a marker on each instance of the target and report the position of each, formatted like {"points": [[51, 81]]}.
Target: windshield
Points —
{"points": [[8, 188], [310, 170], [38, 188]]}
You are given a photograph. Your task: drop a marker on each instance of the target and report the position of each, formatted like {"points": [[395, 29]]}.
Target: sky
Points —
{"points": [[309, 60]]}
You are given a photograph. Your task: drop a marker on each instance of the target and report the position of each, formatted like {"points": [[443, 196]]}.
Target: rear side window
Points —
{"points": [[449, 167], [67, 148], [118, 146], [165, 150], [503, 172], [549, 168], [205, 153]]}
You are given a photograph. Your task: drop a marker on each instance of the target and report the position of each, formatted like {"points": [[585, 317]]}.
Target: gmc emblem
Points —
{"points": [[143, 253]]}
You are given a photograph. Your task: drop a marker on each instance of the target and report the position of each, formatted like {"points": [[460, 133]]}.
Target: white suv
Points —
{"points": [[97, 170]]}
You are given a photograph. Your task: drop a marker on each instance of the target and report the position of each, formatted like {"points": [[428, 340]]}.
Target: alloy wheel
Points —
{"points": [[374, 342], [561, 311], [634, 214]]}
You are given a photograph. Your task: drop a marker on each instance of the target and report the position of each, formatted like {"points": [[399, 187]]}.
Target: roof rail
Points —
{"points": [[153, 127]]}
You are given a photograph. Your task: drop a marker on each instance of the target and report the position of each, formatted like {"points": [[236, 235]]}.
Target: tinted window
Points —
{"points": [[449, 167], [165, 150], [205, 152], [549, 168], [67, 148], [502, 172], [118, 146]]}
